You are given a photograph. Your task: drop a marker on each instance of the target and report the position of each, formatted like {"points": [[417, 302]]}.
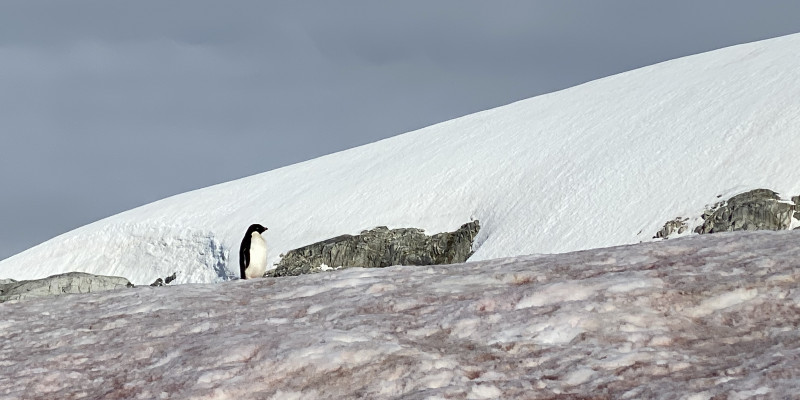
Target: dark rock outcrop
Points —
{"points": [[380, 247], [796, 201], [165, 281], [759, 209], [71, 282]]}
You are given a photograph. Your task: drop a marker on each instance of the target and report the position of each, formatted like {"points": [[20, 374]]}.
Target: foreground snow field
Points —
{"points": [[600, 164], [702, 317]]}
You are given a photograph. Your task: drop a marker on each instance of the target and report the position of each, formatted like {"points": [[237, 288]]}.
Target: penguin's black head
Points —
{"points": [[256, 228]]}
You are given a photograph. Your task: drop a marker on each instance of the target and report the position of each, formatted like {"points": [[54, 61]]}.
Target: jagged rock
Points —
{"points": [[6, 281], [71, 282], [380, 247], [676, 225], [759, 209], [707, 213], [165, 281]]}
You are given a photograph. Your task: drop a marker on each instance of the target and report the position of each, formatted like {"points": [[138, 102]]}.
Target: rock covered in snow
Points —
{"points": [[758, 209], [381, 247], [71, 282], [702, 317], [677, 225]]}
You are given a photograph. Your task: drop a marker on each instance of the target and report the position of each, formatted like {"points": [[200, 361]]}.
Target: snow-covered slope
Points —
{"points": [[600, 164]]}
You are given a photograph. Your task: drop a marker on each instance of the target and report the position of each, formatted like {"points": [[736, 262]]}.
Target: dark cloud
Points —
{"points": [[106, 105]]}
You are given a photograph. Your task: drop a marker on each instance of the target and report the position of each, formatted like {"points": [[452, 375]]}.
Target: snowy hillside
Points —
{"points": [[600, 164], [707, 317]]}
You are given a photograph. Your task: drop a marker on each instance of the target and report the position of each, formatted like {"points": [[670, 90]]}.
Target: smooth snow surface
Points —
{"points": [[600, 164], [711, 316]]}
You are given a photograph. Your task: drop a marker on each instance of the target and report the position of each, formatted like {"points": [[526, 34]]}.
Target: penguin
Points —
{"points": [[253, 253]]}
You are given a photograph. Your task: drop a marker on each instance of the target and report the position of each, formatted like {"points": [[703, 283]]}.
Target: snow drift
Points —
{"points": [[704, 317], [600, 164]]}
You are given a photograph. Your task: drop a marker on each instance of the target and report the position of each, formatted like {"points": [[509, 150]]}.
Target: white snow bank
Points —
{"points": [[600, 164]]}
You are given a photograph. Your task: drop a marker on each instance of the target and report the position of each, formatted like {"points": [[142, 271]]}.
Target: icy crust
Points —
{"points": [[139, 252], [600, 164], [702, 317]]}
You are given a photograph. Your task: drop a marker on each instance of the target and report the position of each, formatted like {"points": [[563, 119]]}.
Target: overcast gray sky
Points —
{"points": [[107, 105]]}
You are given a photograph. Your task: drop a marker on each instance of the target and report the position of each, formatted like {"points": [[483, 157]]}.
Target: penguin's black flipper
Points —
{"points": [[244, 256]]}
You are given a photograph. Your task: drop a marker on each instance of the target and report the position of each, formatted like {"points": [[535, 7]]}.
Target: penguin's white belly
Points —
{"points": [[258, 257]]}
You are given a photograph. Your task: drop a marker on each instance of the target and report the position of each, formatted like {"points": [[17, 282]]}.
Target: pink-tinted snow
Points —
{"points": [[702, 317]]}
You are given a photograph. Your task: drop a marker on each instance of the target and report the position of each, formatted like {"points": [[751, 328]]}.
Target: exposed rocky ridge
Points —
{"points": [[380, 247], [758, 209], [71, 282]]}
